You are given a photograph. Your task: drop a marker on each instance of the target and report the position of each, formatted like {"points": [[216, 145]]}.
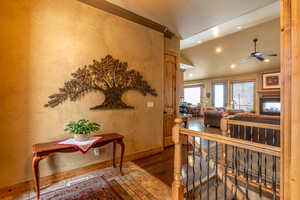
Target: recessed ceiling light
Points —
{"points": [[199, 41], [232, 66], [239, 27], [216, 31], [219, 50], [267, 60]]}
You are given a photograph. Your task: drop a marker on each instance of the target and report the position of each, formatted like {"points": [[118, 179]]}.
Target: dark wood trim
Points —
{"points": [[19, 188], [126, 14]]}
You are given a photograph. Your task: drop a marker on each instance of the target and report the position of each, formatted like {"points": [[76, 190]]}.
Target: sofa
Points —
{"points": [[212, 117]]}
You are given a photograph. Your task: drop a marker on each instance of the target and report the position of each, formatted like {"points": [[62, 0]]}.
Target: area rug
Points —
{"points": [[94, 188], [108, 184]]}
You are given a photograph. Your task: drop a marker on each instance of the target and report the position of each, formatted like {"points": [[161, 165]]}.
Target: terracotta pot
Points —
{"points": [[81, 137]]}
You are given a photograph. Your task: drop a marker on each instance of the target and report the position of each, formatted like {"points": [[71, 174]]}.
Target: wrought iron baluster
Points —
{"points": [[200, 167], [247, 176], [194, 147], [217, 179], [233, 159], [251, 157], [235, 173], [187, 167], [238, 161], [225, 173], [274, 177], [265, 160], [207, 164], [245, 151], [273, 138], [239, 132], [238, 151], [259, 178], [259, 167]]}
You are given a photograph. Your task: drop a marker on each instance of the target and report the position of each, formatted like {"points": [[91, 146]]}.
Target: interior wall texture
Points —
{"points": [[41, 43]]}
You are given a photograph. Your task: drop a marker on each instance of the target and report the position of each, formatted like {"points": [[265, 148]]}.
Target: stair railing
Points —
{"points": [[211, 165]]}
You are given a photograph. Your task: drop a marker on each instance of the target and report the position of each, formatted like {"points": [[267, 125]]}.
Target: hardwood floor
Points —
{"points": [[161, 165]]}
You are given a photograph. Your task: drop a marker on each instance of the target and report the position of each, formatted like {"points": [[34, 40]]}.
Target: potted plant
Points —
{"points": [[81, 129]]}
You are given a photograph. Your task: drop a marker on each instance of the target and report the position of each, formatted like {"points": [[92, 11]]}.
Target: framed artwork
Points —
{"points": [[271, 80]]}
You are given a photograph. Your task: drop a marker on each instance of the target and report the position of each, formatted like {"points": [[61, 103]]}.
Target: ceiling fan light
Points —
{"points": [[219, 50]]}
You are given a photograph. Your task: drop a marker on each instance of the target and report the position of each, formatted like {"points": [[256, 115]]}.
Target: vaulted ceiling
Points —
{"points": [[204, 25], [235, 50], [189, 17]]}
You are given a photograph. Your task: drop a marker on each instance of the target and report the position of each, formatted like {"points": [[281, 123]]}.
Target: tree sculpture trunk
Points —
{"points": [[113, 100]]}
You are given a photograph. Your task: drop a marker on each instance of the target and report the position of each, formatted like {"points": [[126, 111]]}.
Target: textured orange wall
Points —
{"points": [[41, 43]]}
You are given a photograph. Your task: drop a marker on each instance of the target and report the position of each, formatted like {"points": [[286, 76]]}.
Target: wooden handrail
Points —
{"points": [[254, 124], [263, 148], [223, 140]]}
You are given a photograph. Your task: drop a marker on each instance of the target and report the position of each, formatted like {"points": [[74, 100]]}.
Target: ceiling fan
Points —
{"points": [[258, 55]]}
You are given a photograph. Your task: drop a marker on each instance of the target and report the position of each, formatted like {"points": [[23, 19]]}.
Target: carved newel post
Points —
{"points": [[224, 126], [177, 186]]}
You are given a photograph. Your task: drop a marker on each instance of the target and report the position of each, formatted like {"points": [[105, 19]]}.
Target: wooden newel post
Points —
{"points": [[224, 125], [224, 130], [177, 186]]}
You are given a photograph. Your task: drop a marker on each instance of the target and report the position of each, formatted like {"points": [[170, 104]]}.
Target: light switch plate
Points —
{"points": [[150, 104]]}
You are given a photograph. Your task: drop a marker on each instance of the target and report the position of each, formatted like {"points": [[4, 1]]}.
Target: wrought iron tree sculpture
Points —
{"points": [[110, 76]]}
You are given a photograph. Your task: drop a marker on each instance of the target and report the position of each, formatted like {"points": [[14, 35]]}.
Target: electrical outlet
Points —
{"points": [[96, 151]]}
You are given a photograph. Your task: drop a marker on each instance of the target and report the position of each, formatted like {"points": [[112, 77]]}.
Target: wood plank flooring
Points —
{"points": [[161, 165]]}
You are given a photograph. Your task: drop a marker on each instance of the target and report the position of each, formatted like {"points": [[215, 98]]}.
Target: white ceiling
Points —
{"points": [[248, 20], [235, 48], [189, 17]]}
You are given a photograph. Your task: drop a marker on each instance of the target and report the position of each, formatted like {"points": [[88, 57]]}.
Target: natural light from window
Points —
{"points": [[243, 95], [219, 95], [192, 95]]}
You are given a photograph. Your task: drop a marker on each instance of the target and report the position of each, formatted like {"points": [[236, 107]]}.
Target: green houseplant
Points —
{"points": [[81, 129]]}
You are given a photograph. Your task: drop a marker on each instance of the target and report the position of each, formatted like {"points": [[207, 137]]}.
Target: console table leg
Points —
{"points": [[35, 169], [122, 155], [114, 154]]}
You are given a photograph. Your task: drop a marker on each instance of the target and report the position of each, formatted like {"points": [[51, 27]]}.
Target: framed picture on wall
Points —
{"points": [[271, 80]]}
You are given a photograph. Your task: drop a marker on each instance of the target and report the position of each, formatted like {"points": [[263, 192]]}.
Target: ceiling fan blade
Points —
{"points": [[259, 58], [263, 54]]}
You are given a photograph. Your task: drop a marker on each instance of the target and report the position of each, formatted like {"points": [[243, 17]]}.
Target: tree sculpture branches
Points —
{"points": [[109, 76]]}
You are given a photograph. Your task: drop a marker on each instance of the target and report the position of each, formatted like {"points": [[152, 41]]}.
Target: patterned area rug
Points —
{"points": [[108, 184], [94, 188]]}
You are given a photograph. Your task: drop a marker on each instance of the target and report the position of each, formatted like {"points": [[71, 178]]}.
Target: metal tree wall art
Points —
{"points": [[110, 76]]}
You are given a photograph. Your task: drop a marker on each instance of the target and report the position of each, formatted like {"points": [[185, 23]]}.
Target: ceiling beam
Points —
{"points": [[126, 14]]}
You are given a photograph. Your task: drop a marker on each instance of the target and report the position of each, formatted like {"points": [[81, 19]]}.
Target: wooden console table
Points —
{"points": [[43, 150]]}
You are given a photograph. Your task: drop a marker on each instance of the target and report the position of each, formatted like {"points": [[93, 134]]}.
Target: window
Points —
{"points": [[243, 95], [192, 94], [219, 94]]}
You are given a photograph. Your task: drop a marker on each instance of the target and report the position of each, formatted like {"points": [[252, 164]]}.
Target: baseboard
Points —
{"points": [[28, 185]]}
